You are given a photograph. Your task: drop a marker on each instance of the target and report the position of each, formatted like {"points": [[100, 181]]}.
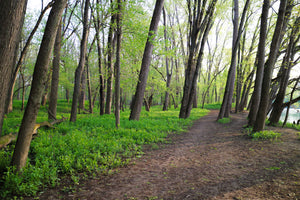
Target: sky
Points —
{"points": [[36, 4]]}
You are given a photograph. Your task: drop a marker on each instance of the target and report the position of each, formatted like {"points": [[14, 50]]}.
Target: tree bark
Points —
{"points": [[79, 69], [55, 76], [9, 106], [260, 57], [110, 50], [237, 31], [198, 27], [142, 82], [12, 17], [168, 71], [40, 72], [97, 24], [117, 64], [285, 74], [81, 102], [268, 71]]}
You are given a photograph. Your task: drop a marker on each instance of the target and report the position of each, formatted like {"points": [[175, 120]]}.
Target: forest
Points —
{"points": [[90, 88]]}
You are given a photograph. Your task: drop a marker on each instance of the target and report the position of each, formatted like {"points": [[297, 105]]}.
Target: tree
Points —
{"points": [[260, 57], [286, 67], [9, 106], [199, 27], [12, 17], [237, 31], [97, 24], [141, 85], [81, 64], [169, 70], [55, 75], [269, 67], [110, 47], [117, 64], [40, 72]]}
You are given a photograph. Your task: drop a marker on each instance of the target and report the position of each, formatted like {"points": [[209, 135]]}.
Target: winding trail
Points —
{"points": [[210, 161]]}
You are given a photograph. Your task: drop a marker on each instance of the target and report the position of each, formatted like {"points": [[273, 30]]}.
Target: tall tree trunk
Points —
{"points": [[88, 80], [117, 64], [12, 17], [168, 71], [110, 50], [198, 27], [83, 86], [268, 71], [45, 94], [9, 106], [260, 57], [285, 74], [40, 72], [97, 24], [81, 64], [142, 82], [237, 31], [55, 76]]}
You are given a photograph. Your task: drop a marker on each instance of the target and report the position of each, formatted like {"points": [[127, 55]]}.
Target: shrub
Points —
{"points": [[224, 120], [266, 135]]}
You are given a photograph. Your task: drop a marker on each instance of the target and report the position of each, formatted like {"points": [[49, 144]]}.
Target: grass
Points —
{"points": [[90, 146], [266, 135], [224, 120]]}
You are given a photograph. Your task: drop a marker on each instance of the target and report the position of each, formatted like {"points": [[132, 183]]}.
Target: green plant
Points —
{"points": [[224, 120], [92, 146], [266, 135]]}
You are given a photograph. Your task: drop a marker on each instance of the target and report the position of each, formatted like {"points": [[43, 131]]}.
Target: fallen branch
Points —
{"points": [[7, 139]]}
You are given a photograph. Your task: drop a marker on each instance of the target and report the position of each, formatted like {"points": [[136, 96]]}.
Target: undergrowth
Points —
{"points": [[224, 120], [90, 146], [266, 135]]}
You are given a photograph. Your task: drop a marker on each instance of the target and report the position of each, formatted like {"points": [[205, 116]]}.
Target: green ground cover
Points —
{"points": [[88, 147]]}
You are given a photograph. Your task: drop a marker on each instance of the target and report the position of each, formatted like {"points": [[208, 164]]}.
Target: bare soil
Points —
{"points": [[210, 161]]}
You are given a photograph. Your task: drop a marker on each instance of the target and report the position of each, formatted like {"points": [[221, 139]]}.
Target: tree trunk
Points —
{"points": [[97, 24], [168, 71], [88, 80], [142, 82], [260, 57], [117, 64], [79, 69], [40, 72], [83, 86], [268, 71], [45, 94], [110, 50], [285, 74], [12, 17], [198, 28], [55, 76], [9, 106]]}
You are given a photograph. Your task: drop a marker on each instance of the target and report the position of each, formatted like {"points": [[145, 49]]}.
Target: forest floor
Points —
{"points": [[210, 161]]}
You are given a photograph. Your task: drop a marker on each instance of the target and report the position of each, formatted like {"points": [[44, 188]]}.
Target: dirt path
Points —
{"points": [[210, 161]]}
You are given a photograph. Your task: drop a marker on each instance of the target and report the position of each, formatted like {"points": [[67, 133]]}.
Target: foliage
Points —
{"points": [[92, 145], [266, 135], [224, 120], [213, 106]]}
